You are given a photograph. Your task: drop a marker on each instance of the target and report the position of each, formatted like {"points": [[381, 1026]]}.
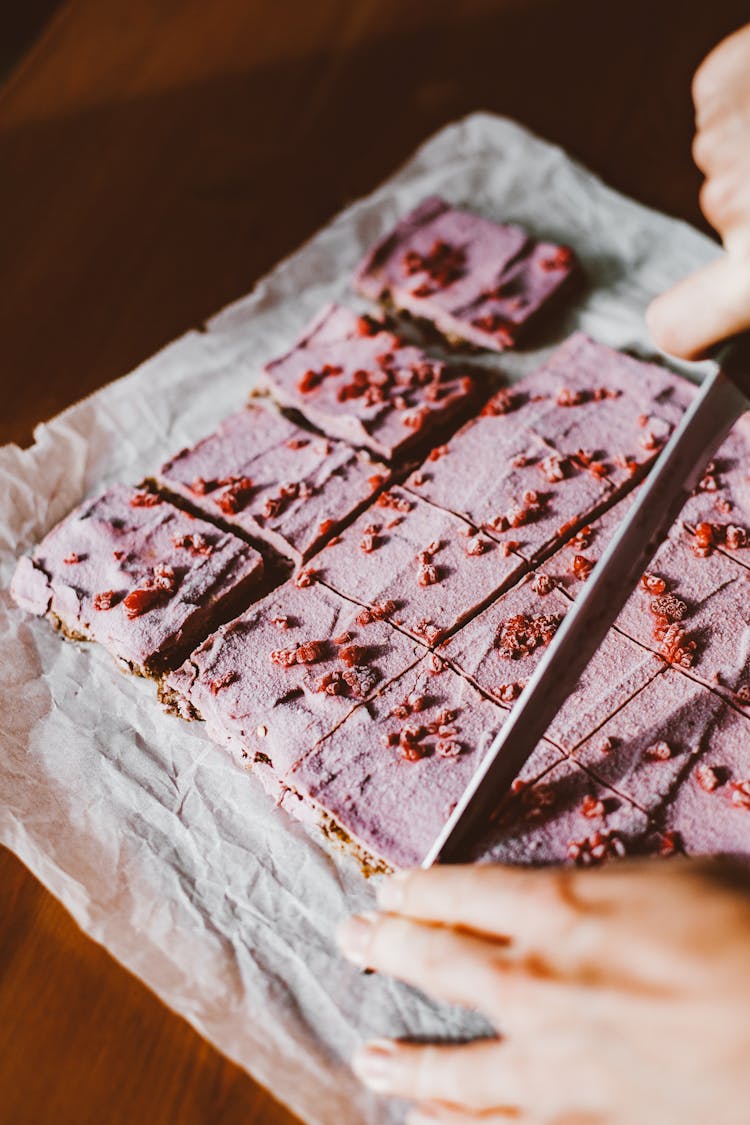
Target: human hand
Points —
{"points": [[621, 995], [714, 303]]}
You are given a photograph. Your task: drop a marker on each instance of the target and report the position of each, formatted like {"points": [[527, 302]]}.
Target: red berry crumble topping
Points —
{"points": [[521, 635]]}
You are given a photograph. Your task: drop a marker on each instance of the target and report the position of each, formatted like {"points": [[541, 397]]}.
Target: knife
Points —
{"points": [[721, 399]]}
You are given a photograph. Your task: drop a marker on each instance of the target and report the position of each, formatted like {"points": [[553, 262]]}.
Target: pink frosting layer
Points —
{"points": [[354, 379], [710, 810], [424, 567], [273, 682], [138, 575], [474, 279], [571, 436], [393, 797], [269, 478], [565, 816], [647, 747], [501, 647]]}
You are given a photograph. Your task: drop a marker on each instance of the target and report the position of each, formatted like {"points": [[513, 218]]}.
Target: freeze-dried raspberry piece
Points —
{"points": [[596, 849], [143, 599], [522, 634], [652, 584], [707, 777], [144, 499], [215, 686], [741, 794], [592, 807], [105, 600], [581, 567], [352, 654], [676, 648], [660, 751], [508, 692], [428, 575]]}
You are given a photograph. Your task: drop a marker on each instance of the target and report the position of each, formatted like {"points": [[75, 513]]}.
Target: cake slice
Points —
{"points": [[501, 647], [565, 816], [268, 478], [421, 567], [354, 379], [718, 513], [709, 812], [544, 455], [388, 777], [473, 279], [274, 681], [647, 747], [143, 578]]}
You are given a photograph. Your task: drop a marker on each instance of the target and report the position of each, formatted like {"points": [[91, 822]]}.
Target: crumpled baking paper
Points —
{"points": [[158, 844]]}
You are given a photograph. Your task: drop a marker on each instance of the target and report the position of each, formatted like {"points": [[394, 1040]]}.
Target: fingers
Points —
{"points": [[722, 77], [436, 1114], [534, 907], [705, 308], [461, 968], [477, 1076]]}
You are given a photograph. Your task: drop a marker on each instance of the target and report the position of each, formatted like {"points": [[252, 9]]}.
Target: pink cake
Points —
{"points": [[473, 279], [274, 681], [144, 579], [354, 379], [543, 456], [423, 568], [391, 773], [566, 815], [500, 648], [267, 477]]}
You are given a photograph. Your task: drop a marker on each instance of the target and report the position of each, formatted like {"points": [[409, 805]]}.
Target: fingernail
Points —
{"points": [[375, 1064], [391, 892], [355, 936]]}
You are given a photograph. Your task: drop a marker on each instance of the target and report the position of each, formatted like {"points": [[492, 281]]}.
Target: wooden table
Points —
{"points": [[157, 157]]}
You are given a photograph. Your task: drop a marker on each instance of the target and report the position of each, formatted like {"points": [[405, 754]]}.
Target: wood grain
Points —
{"points": [[157, 157]]}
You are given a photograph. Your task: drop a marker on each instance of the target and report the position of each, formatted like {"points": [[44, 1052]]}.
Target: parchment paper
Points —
{"points": [[157, 843]]}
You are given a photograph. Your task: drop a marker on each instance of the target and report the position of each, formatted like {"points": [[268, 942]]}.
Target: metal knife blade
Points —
{"points": [[721, 399]]}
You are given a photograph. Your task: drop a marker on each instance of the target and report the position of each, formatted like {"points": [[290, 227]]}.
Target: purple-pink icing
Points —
{"points": [[391, 796], [430, 567], [260, 681], [126, 551], [647, 746], [354, 379], [569, 459], [565, 816], [474, 279], [295, 487], [500, 648]]}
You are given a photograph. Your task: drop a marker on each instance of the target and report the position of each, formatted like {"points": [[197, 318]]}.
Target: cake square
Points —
{"points": [[542, 457], [646, 748], [709, 812], [422, 567], [136, 574], [266, 477], [566, 816], [274, 681], [695, 612], [354, 379], [501, 647], [718, 512], [475, 280], [390, 774]]}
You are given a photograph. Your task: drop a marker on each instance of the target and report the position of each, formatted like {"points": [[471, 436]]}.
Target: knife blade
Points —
{"points": [[721, 399]]}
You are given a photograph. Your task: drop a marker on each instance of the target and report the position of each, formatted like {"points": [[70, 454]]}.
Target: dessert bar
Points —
{"points": [[423, 568], [143, 578], [544, 455], [475, 280], [391, 773], [274, 681], [265, 476], [352, 378]]}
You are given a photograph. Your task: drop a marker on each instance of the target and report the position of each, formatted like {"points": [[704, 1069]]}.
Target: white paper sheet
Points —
{"points": [[159, 845]]}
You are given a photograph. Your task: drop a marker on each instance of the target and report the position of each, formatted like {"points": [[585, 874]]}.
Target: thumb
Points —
{"points": [[704, 309]]}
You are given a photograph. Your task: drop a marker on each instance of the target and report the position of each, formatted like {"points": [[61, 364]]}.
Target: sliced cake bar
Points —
{"points": [[267, 477], [133, 572], [354, 379], [274, 681], [473, 279], [422, 567]]}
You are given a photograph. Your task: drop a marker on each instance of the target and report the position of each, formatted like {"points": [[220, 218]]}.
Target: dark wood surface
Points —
{"points": [[157, 157]]}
